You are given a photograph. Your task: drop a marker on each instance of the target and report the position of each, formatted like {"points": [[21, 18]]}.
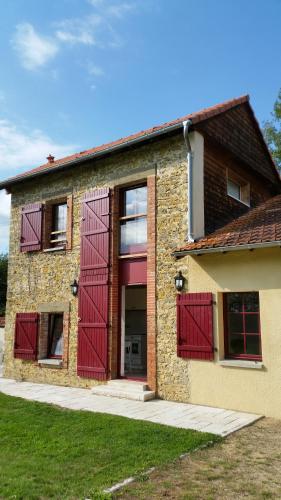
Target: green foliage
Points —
{"points": [[48, 452], [272, 132], [3, 282]]}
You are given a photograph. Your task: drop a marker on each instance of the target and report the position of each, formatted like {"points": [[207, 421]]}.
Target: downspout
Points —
{"points": [[190, 233]]}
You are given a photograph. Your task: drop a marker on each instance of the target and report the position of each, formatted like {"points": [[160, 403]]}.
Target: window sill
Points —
{"points": [[241, 201], [243, 363], [54, 249], [132, 255], [50, 362]]}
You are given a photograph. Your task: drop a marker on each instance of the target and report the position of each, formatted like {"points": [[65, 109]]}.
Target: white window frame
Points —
{"points": [[244, 189]]}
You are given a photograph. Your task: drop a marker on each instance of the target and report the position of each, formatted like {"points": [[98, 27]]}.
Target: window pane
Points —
{"points": [[133, 235], [251, 302], [236, 344], [253, 344], [56, 335], [135, 201], [60, 215], [233, 189], [234, 302], [235, 323], [251, 323]]}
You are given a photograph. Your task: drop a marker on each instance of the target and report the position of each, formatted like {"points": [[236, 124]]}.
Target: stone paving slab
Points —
{"points": [[181, 415]]}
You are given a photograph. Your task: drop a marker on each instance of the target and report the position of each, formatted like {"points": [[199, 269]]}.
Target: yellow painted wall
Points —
{"points": [[245, 389]]}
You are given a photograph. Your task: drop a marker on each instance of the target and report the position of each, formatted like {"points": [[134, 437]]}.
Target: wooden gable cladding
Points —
{"points": [[219, 208], [238, 131], [26, 336], [31, 228], [92, 357], [195, 326]]}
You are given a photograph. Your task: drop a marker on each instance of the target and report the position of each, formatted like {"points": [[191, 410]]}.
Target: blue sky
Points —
{"points": [[78, 73]]}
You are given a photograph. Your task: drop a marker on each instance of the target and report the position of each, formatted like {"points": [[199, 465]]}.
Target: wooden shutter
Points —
{"points": [[31, 228], [195, 326], [93, 286], [26, 335]]}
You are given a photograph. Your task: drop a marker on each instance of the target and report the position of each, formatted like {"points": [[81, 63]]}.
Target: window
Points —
{"points": [[47, 226], [55, 335], [233, 189], [238, 189], [59, 224], [242, 325], [133, 220]]}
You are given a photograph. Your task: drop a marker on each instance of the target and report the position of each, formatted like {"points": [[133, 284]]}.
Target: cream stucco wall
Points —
{"points": [[246, 389]]}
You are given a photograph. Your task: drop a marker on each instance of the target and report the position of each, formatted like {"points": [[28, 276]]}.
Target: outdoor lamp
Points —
{"points": [[74, 288], [179, 281]]}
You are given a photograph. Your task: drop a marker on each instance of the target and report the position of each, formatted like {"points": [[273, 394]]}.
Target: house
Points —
{"points": [[97, 239]]}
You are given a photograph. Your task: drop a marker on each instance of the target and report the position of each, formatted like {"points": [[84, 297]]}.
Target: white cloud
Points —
{"points": [[96, 29], [5, 201], [34, 50], [23, 149], [75, 31], [96, 3], [95, 70], [119, 10], [115, 8]]}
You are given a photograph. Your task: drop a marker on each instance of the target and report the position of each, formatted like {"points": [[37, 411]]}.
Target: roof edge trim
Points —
{"points": [[249, 246], [15, 180]]}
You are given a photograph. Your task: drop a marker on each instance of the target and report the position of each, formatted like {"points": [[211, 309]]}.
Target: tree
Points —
{"points": [[3, 282], [272, 132]]}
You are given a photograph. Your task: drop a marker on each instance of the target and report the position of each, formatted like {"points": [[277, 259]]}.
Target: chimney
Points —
{"points": [[50, 158]]}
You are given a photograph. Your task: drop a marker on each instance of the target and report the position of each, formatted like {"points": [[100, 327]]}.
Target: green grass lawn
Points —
{"points": [[48, 452]]}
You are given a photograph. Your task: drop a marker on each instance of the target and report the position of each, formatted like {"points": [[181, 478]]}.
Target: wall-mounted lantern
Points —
{"points": [[179, 281], [74, 288]]}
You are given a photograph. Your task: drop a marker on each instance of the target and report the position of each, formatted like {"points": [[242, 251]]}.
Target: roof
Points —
{"points": [[104, 149], [259, 227]]}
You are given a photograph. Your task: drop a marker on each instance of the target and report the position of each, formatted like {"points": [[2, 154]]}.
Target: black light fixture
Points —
{"points": [[179, 281], [74, 288]]}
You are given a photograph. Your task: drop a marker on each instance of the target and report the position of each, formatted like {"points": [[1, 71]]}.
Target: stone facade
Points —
{"points": [[39, 278]]}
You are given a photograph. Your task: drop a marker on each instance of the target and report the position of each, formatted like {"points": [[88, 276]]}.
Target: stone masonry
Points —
{"points": [[40, 278]]}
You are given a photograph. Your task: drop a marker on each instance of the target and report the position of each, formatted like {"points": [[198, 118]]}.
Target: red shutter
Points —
{"points": [[195, 326], [93, 286], [31, 228], [26, 335]]}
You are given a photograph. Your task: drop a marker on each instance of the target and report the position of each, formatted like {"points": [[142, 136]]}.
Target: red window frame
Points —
{"points": [[137, 248], [244, 355]]}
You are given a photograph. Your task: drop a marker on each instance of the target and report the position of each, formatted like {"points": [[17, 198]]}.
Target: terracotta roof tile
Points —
{"points": [[260, 225], [195, 117]]}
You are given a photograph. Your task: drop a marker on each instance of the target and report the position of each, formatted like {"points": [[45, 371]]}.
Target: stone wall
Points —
{"points": [[37, 278]]}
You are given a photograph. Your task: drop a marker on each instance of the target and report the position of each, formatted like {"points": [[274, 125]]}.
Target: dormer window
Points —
{"points": [[133, 220], [238, 189]]}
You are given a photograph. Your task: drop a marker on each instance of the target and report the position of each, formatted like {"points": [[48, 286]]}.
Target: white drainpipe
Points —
{"points": [[190, 232]]}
